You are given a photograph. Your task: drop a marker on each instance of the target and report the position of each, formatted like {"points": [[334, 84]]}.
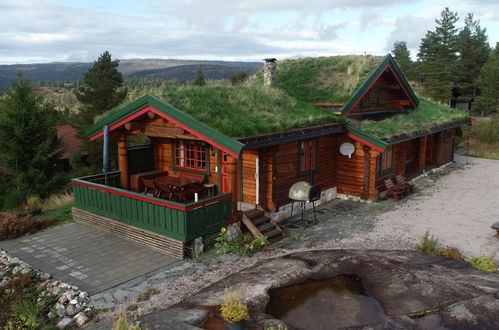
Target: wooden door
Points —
{"points": [[430, 149]]}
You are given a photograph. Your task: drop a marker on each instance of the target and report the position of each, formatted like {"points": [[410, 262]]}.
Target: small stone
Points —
{"points": [[74, 287], [63, 285], [63, 299], [26, 270], [8, 291], [81, 319], [59, 309], [70, 310], [43, 293], [39, 300], [56, 291], [78, 308], [50, 315], [65, 323], [74, 301], [16, 269], [83, 295], [14, 260], [45, 276]]}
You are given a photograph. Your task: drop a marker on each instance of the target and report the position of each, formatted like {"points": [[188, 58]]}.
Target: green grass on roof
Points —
{"points": [[244, 111], [322, 79], [426, 116]]}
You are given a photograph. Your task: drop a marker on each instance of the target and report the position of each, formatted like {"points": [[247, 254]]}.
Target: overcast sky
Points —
{"points": [[248, 30]]}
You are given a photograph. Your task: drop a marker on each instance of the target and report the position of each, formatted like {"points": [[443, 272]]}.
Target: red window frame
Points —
{"points": [[190, 155], [307, 155]]}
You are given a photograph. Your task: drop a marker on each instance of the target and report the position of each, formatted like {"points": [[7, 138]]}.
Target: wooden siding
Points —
{"points": [[286, 173], [349, 172], [447, 146], [395, 99]]}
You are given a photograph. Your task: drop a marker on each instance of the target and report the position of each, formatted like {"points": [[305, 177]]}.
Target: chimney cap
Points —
{"points": [[270, 59]]}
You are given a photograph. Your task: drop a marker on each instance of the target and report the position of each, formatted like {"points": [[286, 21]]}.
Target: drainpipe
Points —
{"points": [[105, 153]]}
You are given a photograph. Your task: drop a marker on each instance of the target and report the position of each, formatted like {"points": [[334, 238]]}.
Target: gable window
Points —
{"points": [[307, 156], [190, 155], [386, 163]]}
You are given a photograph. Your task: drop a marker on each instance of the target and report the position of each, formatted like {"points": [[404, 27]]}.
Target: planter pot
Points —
{"points": [[32, 213], [236, 326]]}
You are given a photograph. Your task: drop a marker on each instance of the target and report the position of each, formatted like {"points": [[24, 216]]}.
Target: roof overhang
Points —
{"points": [[268, 140], [149, 103], [415, 135], [365, 138]]}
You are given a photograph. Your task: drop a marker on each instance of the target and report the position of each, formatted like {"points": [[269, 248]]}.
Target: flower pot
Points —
{"points": [[236, 326]]}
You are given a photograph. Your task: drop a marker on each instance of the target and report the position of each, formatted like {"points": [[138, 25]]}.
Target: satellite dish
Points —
{"points": [[347, 149]]}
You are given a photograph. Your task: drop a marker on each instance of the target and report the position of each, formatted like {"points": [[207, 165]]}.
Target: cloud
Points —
{"points": [[410, 29]]}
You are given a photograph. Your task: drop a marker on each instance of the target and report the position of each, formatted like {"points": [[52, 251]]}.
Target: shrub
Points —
{"points": [[27, 313], [13, 227], [122, 323], [233, 308], [132, 307], [483, 263], [428, 244], [450, 253]]}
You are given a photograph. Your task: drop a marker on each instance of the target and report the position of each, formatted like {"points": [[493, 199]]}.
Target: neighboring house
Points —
{"points": [[70, 145], [253, 143]]}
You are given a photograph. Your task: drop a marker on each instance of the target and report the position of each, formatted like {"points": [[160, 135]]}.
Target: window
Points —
{"points": [[386, 163], [190, 155], [307, 155]]}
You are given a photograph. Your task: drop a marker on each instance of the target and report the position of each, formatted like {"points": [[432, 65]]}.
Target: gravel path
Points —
{"points": [[456, 204]]}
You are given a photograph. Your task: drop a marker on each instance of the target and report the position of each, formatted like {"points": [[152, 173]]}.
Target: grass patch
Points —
{"points": [[483, 263], [147, 294], [420, 119], [480, 139], [243, 110], [428, 244], [121, 323], [330, 79], [62, 214]]}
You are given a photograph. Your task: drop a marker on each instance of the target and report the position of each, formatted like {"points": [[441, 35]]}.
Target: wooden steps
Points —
{"points": [[260, 225]]}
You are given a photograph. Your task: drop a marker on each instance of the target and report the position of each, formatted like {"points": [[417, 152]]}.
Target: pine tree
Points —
{"points": [[438, 55], [28, 144], [474, 50], [488, 83], [200, 80], [102, 89], [403, 57]]}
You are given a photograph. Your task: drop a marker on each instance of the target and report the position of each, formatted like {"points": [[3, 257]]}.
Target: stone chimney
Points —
{"points": [[269, 68]]}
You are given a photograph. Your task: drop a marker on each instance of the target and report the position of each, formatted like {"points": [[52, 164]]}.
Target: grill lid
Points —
{"points": [[299, 191]]}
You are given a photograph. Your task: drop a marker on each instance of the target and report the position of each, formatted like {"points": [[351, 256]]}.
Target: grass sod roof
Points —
{"points": [[424, 117], [244, 110], [331, 79]]}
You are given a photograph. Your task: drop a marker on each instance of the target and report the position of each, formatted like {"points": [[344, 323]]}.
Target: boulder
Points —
{"points": [[81, 319], [65, 323], [405, 283]]}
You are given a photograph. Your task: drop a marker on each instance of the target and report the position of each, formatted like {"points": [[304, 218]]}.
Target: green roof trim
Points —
{"points": [[231, 144], [366, 137], [387, 60]]}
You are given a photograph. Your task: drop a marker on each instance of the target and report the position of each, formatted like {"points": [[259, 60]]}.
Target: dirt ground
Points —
{"points": [[457, 209]]}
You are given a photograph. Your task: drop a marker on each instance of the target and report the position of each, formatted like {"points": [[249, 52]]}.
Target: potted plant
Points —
{"points": [[234, 311], [33, 206]]}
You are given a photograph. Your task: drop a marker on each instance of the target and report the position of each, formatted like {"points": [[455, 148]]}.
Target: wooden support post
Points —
{"points": [[366, 185], [373, 162], [123, 162], [422, 154]]}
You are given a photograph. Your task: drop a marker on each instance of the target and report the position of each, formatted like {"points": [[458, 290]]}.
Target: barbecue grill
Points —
{"points": [[303, 192]]}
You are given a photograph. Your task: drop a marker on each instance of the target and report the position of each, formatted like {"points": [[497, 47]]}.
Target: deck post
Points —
{"points": [[123, 162], [233, 185], [373, 193]]}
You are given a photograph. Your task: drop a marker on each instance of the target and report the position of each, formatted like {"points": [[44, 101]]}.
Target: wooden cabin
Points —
{"points": [[218, 152]]}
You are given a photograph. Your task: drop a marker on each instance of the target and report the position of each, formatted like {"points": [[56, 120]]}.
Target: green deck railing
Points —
{"points": [[184, 222]]}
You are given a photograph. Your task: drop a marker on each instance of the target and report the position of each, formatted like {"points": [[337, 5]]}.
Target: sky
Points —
{"points": [[39, 31]]}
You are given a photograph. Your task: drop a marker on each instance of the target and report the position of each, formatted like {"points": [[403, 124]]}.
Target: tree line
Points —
{"points": [[454, 63]]}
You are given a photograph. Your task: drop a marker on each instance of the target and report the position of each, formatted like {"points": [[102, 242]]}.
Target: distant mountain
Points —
{"points": [[166, 69]]}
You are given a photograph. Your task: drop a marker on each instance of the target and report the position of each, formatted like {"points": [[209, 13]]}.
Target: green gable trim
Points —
{"points": [[371, 139], [387, 61], [213, 135]]}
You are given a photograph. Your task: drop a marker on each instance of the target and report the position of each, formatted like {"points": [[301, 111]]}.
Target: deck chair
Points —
{"points": [[149, 187], [393, 191], [402, 182], [164, 190]]}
